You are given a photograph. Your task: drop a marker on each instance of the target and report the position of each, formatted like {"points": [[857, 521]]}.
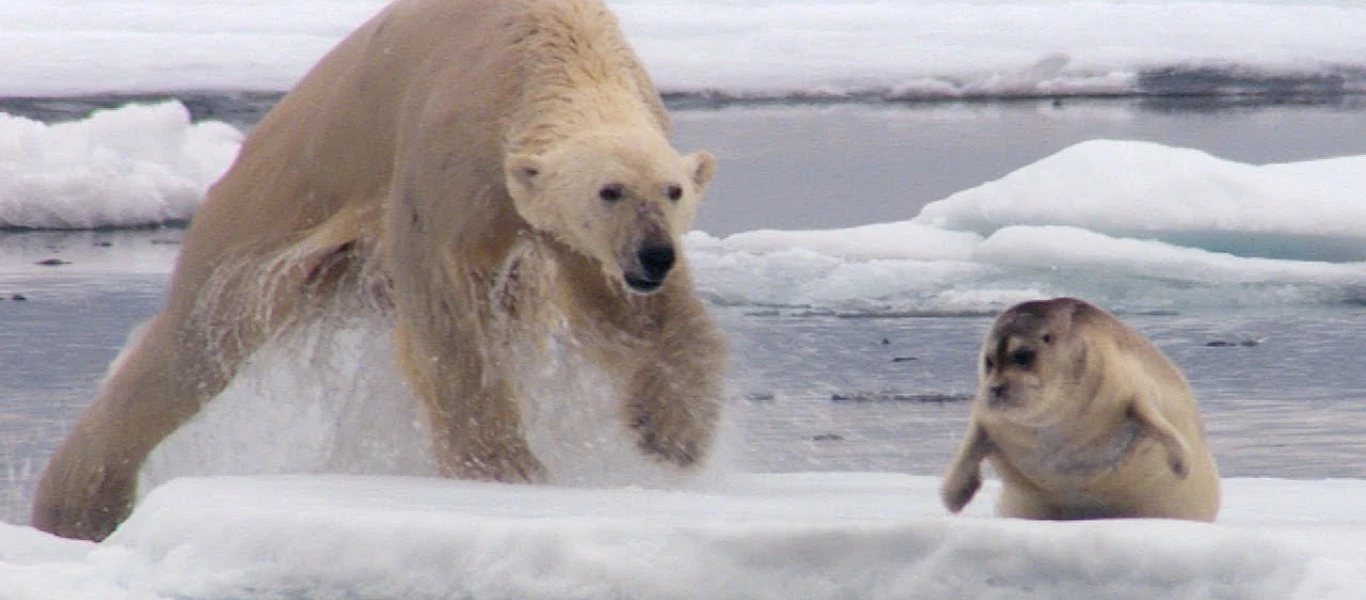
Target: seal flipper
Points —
{"points": [[1152, 424], [964, 476]]}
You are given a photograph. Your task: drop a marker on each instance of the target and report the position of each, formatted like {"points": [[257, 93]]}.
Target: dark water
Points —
{"points": [[812, 391]]}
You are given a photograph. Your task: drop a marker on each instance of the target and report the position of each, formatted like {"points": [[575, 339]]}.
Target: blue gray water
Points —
{"points": [[815, 390]]}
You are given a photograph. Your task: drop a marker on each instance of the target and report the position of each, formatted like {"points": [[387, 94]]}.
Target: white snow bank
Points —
{"points": [[1076, 248], [817, 535], [131, 166], [1132, 189], [769, 47], [1136, 225], [899, 240]]}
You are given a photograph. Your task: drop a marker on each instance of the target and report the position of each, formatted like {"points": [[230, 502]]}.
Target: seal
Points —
{"points": [[1082, 417]]}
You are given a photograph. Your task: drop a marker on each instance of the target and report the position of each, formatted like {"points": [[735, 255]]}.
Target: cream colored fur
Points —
{"points": [[450, 161], [1082, 417]]}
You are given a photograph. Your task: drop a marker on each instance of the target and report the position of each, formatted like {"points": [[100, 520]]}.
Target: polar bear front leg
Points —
{"points": [[675, 424], [475, 419], [674, 397]]}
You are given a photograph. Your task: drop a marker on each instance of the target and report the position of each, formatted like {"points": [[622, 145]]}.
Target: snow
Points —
{"points": [[1127, 187], [1091, 219], [1134, 226], [768, 48], [806, 535], [134, 166]]}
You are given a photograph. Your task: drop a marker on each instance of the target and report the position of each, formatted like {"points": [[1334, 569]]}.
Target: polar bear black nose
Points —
{"points": [[656, 261]]}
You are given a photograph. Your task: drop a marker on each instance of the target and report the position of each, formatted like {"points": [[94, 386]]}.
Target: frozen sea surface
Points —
{"points": [[716, 50], [856, 245], [814, 535]]}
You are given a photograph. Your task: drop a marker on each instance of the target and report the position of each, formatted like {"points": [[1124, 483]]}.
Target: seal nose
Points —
{"points": [[997, 395], [656, 261]]}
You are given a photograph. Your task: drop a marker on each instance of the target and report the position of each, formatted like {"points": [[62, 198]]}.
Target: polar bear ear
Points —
{"points": [[522, 171], [702, 166]]}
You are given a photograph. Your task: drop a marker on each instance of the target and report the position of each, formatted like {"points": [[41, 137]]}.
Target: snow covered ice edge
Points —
{"points": [[804, 535]]}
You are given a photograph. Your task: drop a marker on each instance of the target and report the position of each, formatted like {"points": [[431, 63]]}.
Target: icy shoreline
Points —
{"points": [[810, 535]]}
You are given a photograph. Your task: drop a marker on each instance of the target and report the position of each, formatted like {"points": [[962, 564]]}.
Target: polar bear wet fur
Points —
{"points": [[487, 171]]}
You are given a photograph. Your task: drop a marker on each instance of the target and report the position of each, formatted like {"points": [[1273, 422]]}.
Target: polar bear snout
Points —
{"points": [[649, 268], [656, 261]]}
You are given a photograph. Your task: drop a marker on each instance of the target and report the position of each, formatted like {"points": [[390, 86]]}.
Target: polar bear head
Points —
{"points": [[617, 196]]}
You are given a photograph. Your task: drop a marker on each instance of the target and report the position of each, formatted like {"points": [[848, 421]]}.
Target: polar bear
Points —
{"points": [[488, 171]]}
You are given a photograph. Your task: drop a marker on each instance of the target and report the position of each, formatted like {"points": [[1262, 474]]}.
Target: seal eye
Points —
{"points": [[611, 192], [988, 363], [1048, 338], [1023, 358], [673, 192]]}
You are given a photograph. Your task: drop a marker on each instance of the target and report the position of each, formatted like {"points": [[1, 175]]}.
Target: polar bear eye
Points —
{"points": [[673, 192], [611, 192]]}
